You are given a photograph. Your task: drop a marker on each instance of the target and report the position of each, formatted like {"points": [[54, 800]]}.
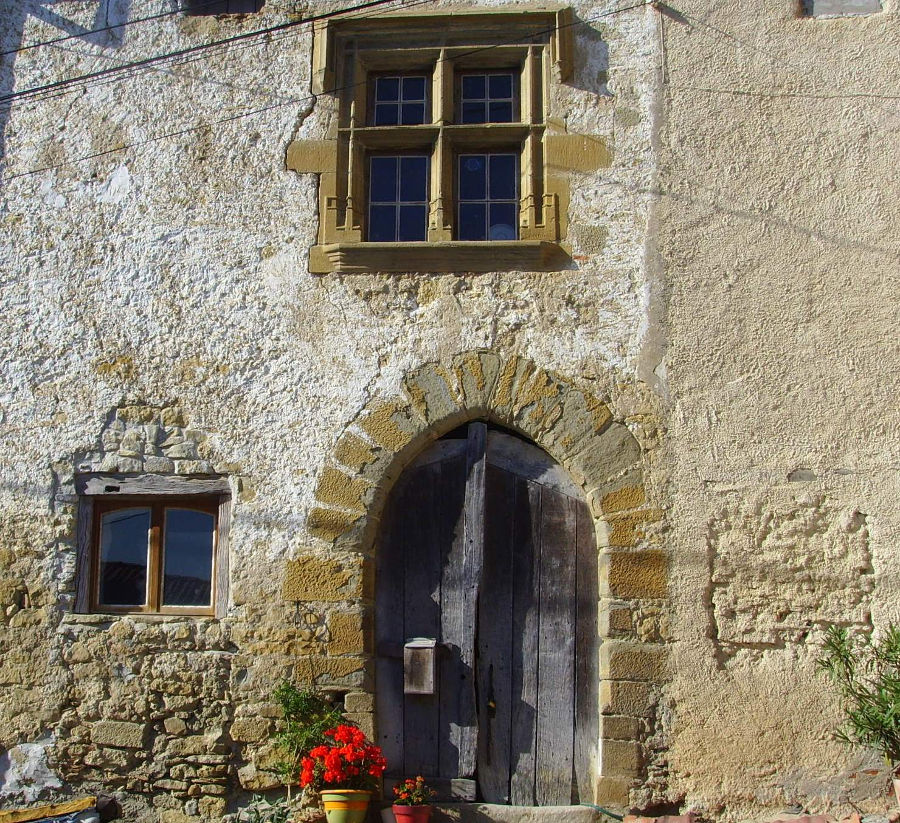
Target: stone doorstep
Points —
{"points": [[494, 813]]}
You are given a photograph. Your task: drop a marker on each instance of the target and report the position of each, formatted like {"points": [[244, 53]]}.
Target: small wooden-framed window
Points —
{"points": [[155, 556], [160, 553]]}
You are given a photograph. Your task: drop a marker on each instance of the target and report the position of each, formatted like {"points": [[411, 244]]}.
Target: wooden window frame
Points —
{"points": [[103, 493]]}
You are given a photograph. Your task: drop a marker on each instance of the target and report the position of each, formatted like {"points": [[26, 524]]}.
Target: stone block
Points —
{"points": [[257, 780], [184, 746], [249, 729], [629, 528], [312, 577], [171, 417], [620, 727], [312, 156], [175, 816], [338, 489], [212, 807], [137, 414], [624, 660], [625, 697], [365, 721], [174, 726], [602, 456], [616, 621], [432, 393], [581, 417], [118, 733], [628, 497], [359, 702], [476, 375], [613, 791], [641, 574], [620, 758], [391, 425], [514, 373], [330, 524], [354, 452], [346, 633], [538, 403], [577, 152]]}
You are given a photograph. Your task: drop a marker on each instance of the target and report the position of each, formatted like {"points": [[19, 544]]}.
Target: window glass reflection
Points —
{"points": [[124, 543], [487, 98], [398, 198], [488, 186], [188, 558]]}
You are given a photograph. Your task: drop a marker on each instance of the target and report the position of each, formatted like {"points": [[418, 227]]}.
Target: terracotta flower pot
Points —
{"points": [[345, 805], [411, 814]]}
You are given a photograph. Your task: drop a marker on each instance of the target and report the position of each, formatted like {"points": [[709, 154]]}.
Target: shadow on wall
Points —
{"points": [[109, 15]]}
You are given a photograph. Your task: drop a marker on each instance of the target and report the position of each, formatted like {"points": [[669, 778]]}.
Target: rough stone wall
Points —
{"points": [[731, 300], [779, 224], [173, 275]]}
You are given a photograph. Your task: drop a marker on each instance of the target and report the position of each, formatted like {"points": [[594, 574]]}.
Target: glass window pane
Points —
{"points": [[413, 114], [386, 114], [503, 223], [500, 85], [383, 180], [188, 558], [472, 177], [124, 543], [473, 113], [413, 179], [471, 221], [503, 177], [387, 88], [382, 224], [500, 112], [413, 88], [412, 222], [473, 86]]}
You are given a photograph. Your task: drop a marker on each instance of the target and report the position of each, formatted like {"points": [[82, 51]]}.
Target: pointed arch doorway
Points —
{"points": [[487, 548]]}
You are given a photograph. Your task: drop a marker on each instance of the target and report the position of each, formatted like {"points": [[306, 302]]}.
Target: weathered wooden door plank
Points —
{"points": [[526, 623], [390, 628], [495, 629], [453, 674], [587, 722], [556, 656], [422, 568], [465, 735]]}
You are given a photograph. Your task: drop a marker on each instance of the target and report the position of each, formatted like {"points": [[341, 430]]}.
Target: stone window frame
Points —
{"points": [[97, 490], [536, 45]]}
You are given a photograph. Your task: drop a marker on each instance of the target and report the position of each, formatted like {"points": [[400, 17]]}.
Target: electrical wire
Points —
{"points": [[122, 25], [312, 97], [149, 61]]}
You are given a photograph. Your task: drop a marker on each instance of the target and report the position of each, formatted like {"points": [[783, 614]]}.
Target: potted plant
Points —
{"points": [[866, 673], [411, 801], [344, 772]]}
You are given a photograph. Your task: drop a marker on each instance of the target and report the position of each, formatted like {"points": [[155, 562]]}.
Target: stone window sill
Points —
{"points": [[447, 256]]}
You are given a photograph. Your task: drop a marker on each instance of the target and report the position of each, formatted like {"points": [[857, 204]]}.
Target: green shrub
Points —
{"points": [[866, 673], [307, 715]]}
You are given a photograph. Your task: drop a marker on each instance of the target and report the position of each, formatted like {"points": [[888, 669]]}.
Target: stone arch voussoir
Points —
{"points": [[600, 454]]}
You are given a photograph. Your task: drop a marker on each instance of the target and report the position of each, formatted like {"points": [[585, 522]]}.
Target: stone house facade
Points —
{"points": [[221, 283]]}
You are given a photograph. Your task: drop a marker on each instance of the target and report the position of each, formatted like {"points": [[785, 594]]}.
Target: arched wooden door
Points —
{"points": [[488, 549]]}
